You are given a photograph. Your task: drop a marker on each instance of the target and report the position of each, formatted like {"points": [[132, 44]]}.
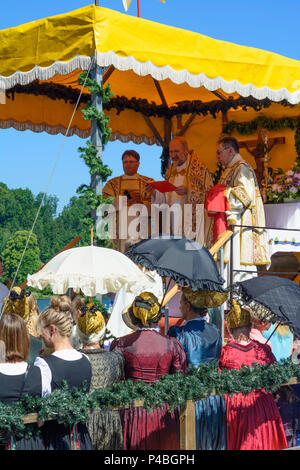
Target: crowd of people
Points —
{"points": [[40, 351], [70, 335]]}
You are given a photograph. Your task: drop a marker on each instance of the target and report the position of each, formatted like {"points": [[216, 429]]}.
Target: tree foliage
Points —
{"points": [[18, 208], [13, 252]]}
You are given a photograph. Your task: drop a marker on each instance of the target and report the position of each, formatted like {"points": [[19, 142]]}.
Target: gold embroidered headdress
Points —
{"points": [[17, 302], [145, 307], [238, 317], [91, 321], [204, 298]]}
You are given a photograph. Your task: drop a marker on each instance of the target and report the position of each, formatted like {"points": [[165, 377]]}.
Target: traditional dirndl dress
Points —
{"points": [[75, 368]]}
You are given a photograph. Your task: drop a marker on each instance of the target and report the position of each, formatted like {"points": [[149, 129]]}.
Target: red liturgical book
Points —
{"points": [[163, 186]]}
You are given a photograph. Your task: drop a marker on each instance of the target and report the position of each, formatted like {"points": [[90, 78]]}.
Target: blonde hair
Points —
{"points": [[282, 330], [76, 304], [58, 314], [61, 303]]}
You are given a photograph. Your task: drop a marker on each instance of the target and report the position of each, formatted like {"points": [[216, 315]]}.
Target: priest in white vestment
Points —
{"points": [[250, 248]]}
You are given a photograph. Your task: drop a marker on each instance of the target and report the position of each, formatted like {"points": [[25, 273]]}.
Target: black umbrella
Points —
{"points": [[185, 261], [273, 298]]}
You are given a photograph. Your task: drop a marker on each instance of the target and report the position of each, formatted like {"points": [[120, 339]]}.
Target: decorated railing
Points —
{"points": [[73, 406]]}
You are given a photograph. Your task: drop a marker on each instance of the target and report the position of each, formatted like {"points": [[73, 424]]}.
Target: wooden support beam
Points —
{"points": [[154, 130], [187, 124], [160, 92], [188, 426], [107, 73], [219, 95]]}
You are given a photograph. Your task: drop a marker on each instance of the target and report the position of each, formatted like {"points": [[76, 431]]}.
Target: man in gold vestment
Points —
{"points": [[192, 180], [250, 247], [127, 190]]}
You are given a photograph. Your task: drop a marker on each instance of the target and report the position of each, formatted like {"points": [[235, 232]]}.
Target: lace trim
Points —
{"points": [[84, 134], [45, 73], [148, 68], [89, 285], [53, 130], [194, 81]]}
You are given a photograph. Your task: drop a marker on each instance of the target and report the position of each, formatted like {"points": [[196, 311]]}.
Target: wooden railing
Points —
{"points": [[187, 420]]}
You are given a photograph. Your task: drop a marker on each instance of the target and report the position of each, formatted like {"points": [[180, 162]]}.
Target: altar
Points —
{"points": [[287, 216]]}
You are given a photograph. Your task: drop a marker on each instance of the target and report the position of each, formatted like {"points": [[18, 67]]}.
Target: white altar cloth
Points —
{"points": [[286, 216]]}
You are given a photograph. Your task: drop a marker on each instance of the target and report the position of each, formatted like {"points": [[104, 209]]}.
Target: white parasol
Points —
{"points": [[91, 269]]}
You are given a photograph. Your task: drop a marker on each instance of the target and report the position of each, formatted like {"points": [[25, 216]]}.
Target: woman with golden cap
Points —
{"points": [[24, 304], [253, 420], [105, 426], [202, 342], [148, 356]]}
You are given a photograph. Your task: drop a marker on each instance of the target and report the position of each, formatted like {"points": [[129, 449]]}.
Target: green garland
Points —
{"points": [[248, 128], [73, 406], [121, 103], [90, 155]]}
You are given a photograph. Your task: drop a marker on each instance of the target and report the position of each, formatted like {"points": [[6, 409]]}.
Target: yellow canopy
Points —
{"points": [[41, 61]]}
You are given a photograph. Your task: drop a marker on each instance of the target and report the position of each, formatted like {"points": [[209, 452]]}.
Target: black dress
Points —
{"points": [[12, 388], [61, 436]]}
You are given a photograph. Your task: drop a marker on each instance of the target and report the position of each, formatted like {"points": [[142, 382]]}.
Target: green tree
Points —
{"points": [[12, 254], [18, 209]]}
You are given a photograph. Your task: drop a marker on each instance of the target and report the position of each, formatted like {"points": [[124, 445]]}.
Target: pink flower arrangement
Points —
{"points": [[285, 185]]}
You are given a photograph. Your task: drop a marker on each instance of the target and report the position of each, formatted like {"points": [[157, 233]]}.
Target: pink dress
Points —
{"points": [[253, 420], [148, 356]]}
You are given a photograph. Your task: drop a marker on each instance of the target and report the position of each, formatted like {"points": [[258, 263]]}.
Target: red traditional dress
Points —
{"points": [[253, 420], [148, 356]]}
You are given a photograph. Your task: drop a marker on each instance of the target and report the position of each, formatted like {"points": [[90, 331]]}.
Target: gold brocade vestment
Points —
{"points": [[122, 186], [197, 179]]}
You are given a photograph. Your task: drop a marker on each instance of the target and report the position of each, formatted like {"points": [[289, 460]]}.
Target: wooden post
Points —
{"points": [[188, 426]]}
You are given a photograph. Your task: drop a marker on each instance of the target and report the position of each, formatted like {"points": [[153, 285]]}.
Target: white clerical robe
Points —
{"points": [[250, 247]]}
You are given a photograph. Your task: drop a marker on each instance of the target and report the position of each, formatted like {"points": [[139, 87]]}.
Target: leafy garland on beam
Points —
{"points": [[73, 406], [121, 103], [90, 155]]}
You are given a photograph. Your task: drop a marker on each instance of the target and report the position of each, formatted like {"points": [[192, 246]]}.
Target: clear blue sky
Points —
{"points": [[27, 158]]}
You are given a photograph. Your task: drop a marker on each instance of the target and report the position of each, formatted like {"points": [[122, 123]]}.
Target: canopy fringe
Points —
{"points": [[148, 68], [45, 73], [84, 134]]}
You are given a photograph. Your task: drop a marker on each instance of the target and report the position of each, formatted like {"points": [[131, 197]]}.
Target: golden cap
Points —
{"points": [[91, 320], [204, 298], [145, 307], [238, 317], [17, 302]]}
